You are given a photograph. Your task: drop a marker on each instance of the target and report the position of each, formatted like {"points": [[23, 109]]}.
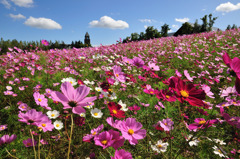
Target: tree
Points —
{"points": [[228, 27], [234, 26], [164, 30], [151, 33], [134, 36], [142, 36], [196, 27], [211, 22], [207, 26]]}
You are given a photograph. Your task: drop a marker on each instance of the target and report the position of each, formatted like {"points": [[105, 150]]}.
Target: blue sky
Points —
{"points": [[106, 21]]}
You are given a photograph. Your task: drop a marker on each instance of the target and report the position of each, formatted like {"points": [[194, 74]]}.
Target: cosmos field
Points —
{"points": [[173, 97]]}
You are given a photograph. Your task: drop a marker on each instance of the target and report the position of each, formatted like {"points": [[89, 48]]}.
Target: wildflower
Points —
{"points": [[41, 100], [29, 142], [71, 80], [115, 110], [165, 95], [45, 125], [7, 139], [194, 140], [120, 154], [160, 146], [53, 114], [153, 66], [32, 117], [71, 98], [219, 151], [119, 75], [58, 125], [43, 142], [98, 89], [201, 123], [94, 132], [131, 130], [9, 88], [24, 107], [104, 139], [166, 124], [207, 90], [123, 106], [8, 92], [45, 42], [3, 127], [136, 61], [229, 91], [116, 124], [79, 121], [96, 113]]}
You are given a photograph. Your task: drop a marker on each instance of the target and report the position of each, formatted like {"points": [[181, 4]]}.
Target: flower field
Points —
{"points": [[174, 97]]}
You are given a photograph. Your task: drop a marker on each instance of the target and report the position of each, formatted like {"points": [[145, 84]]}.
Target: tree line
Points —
{"points": [[32, 45]]}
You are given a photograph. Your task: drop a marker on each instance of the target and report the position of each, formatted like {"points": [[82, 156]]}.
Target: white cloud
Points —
{"points": [[23, 3], [175, 26], [18, 16], [145, 26], [227, 7], [182, 20], [42, 23], [146, 20], [6, 4], [108, 22]]}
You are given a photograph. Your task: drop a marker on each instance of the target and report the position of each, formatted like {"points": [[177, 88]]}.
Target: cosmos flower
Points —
{"points": [[131, 130], [119, 75], [122, 154], [201, 123], [96, 113], [71, 80], [166, 124], [137, 61], [3, 127], [41, 100], [71, 98], [58, 125], [53, 114], [45, 42], [6, 139], [115, 110], [160, 146], [32, 117], [29, 142]]}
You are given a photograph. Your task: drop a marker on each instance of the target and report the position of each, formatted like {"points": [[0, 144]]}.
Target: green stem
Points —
{"points": [[70, 139], [11, 154], [35, 154], [39, 146]]}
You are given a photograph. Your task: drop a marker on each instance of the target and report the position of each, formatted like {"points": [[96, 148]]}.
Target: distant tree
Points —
{"points": [[234, 26], [135, 36], [141, 36], [164, 30], [196, 27], [151, 33], [228, 27], [207, 26]]}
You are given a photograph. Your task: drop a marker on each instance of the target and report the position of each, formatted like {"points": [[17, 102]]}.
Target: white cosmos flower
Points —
{"points": [[58, 125], [160, 146], [9, 88], [96, 113], [124, 106], [53, 114], [98, 89], [71, 80], [219, 152], [194, 141], [82, 115]]}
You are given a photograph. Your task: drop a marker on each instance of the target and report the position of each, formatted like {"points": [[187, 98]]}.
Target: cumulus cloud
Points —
{"points": [[227, 7], [6, 4], [182, 20], [42, 23], [23, 3], [18, 16], [108, 22]]}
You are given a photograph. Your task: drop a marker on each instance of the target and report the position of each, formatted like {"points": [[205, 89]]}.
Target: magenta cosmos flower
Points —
{"points": [[7, 139], [137, 61], [73, 98], [131, 130], [41, 100], [234, 64], [122, 154], [45, 42], [32, 117], [29, 142], [201, 123], [119, 75]]}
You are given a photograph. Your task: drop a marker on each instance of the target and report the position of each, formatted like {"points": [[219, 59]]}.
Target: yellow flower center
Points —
{"points": [[57, 125], [202, 122], [95, 114], [104, 142], [151, 92], [165, 123], [117, 75], [39, 99], [223, 105], [53, 115], [234, 102], [114, 111], [159, 146], [71, 82], [184, 93], [130, 131], [167, 96], [94, 133], [43, 125], [29, 144], [23, 107]]}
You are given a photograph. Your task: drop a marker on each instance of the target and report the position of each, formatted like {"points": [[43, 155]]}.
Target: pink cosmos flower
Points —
{"points": [[8, 92], [166, 124], [131, 130], [122, 154], [188, 76], [7, 139], [153, 66], [207, 90], [178, 74], [201, 123], [23, 107], [234, 64], [41, 100], [94, 132], [45, 42], [104, 139], [45, 125], [136, 61], [119, 75], [29, 142], [73, 98], [116, 124], [32, 117]]}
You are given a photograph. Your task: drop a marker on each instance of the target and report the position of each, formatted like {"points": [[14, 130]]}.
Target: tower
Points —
{"points": [[87, 39]]}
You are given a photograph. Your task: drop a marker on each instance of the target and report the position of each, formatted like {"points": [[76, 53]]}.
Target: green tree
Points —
{"points": [[196, 27], [134, 36], [234, 26], [164, 30], [151, 33], [185, 29]]}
